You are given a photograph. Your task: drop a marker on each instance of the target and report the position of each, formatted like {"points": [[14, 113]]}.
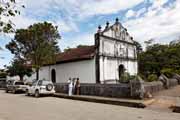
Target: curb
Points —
{"points": [[103, 100], [176, 108]]}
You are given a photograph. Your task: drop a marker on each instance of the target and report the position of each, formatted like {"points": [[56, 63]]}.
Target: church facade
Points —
{"points": [[114, 51]]}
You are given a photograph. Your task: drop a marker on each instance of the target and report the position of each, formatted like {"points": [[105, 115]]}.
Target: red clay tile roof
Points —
{"points": [[75, 54]]}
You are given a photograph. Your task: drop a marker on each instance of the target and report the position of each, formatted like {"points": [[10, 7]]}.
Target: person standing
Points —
{"points": [[77, 87], [74, 83], [70, 87]]}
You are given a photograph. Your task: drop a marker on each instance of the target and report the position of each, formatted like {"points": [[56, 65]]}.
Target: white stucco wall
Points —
{"points": [[109, 68], [12, 78], [26, 78], [84, 70], [116, 48]]}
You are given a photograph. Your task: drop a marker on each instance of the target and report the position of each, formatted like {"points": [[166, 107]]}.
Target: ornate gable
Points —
{"points": [[117, 31]]}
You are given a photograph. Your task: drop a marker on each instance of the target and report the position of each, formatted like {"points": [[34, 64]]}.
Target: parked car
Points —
{"points": [[29, 83], [15, 86], [40, 87]]}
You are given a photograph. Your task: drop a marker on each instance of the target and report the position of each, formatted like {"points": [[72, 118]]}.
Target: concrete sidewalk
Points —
{"points": [[105, 100]]}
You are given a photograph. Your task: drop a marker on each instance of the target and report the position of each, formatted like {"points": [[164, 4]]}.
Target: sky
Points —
{"points": [[77, 20]]}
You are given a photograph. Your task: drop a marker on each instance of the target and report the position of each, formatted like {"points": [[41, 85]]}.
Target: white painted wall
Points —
{"points": [[116, 48], [12, 78], [114, 52], [44, 73], [84, 70], [109, 68]]}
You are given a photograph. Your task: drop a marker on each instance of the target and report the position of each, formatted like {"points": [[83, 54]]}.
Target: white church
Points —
{"points": [[103, 62]]}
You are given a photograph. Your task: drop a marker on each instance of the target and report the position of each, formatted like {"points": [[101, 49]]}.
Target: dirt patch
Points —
{"points": [[164, 100]]}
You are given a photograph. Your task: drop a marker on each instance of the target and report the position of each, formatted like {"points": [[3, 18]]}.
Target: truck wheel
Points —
{"points": [[36, 94], [49, 87], [14, 91], [7, 91], [27, 93]]}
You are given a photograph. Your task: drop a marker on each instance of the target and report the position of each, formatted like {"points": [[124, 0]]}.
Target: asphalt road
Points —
{"points": [[21, 107]]}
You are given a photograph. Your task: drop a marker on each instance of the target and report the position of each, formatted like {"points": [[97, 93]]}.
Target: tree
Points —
{"points": [[158, 59], [138, 47], [37, 44], [149, 42], [8, 8], [3, 73], [153, 60], [19, 67]]}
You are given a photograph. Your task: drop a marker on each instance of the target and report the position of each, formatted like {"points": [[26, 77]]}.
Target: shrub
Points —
{"points": [[152, 77], [168, 72], [126, 77], [142, 76], [3, 74]]}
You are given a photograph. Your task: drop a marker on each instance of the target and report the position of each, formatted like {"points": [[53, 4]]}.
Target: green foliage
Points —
{"points": [[152, 77], [126, 77], [8, 8], [79, 46], [138, 47], [20, 68], [37, 44], [167, 72], [141, 76], [3, 74], [159, 59], [67, 49]]}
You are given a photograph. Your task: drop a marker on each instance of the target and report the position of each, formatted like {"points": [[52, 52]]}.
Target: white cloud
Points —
{"points": [[162, 24], [158, 3], [80, 8], [140, 12], [94, 7], [66, 13], [23, 21], [73, 41], [130, 13]]}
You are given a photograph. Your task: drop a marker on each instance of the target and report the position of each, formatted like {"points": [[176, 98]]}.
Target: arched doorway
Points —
{"points": [[53, 75], [121, 71]]}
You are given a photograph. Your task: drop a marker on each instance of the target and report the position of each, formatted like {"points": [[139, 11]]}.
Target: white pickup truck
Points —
{"points": [[40, 87], [15, 86]]}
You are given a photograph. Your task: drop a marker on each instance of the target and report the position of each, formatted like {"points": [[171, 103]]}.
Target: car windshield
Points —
{"points": [[43, 82], [10, 82], [19, 83], [34, 83]]}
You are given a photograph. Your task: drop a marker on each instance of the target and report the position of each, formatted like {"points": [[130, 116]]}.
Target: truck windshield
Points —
{"points": [[19, 83], [45, 82]]}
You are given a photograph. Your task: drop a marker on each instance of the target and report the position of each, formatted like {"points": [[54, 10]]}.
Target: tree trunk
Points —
{"points": [[37, 74], [21, 78]]}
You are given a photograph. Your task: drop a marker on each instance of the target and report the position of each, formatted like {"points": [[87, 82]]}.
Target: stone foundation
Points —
{"points": [[105, 90], [133, 89], [173, 82], [153, 87], [2, 83]]}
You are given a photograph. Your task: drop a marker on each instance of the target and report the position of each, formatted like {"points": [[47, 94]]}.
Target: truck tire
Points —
{"points": [[49, 87], [36, 94], [27, 93], [14, 91], [7, 91]]}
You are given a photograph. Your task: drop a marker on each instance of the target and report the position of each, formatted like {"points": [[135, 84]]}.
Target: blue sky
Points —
{"points": [[77, 20]]}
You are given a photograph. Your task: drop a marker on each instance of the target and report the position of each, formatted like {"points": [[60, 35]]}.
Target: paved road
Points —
{"points": [[21, 107]]}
